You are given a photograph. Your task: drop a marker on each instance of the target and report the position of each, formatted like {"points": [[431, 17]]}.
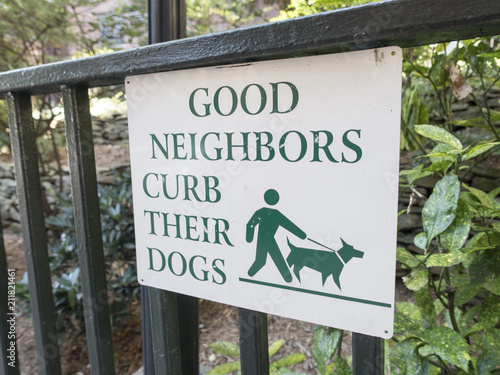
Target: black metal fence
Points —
{"points": [[403, 23]]}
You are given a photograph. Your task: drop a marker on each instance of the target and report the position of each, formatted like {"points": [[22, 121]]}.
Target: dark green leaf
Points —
{"points": [[417, 279], [477, 243], [478, 150], [490, 357], [492, 194], [485, 266], [493, 286], [490, 311], [440, 166], [440, 209], [439, 135], [405, 359], [326, 341], [442, 153], [405, 257], [426, 306], [409, 309], [467, 320], [414, 174], [487, 201], [341, 366], [466, 292], [450, 346], [72, 298], [445, 260], [454, 237], [420, 241], [405, 325]]}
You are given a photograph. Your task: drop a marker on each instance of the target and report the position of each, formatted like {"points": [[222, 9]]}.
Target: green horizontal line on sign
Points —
{"points": [[351, 299]]}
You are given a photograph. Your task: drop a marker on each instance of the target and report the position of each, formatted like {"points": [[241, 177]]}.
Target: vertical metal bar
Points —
{"points": [[254, 354], [166, 20], [29, 190], [367, 355], [147, 340], [88, 228], [177, 8], [9, 361], [166, 346], [187, 308]]}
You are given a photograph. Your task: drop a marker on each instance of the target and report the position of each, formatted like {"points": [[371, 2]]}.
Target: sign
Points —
{"points": [[272, 185]]}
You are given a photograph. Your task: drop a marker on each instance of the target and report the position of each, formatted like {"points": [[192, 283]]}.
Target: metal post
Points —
{"points": [[29, 191], [166, 347], [367, 355], [7, 312], [254, 352], [187, 308], [88, 228], [148, 360], [167, 21]]}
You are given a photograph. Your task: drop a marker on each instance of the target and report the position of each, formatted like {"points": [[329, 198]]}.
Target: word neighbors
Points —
{"points": [[292, 146]]}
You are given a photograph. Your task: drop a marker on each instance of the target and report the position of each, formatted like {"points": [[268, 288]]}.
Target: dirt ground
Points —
{"points": [[217, 322]]}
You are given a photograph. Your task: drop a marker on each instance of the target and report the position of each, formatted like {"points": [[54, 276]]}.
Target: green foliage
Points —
{"points": [[28, 28], [119, 251], [326, 343], [298, 8], [326, 352], [438, 77], [413, 112], [278, 367], [126, 24], [209, 16], [449, 346], [448, 333], [35, 32]]}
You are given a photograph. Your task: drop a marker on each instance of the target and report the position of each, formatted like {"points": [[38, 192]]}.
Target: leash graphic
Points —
{"points": [[320, 244]]}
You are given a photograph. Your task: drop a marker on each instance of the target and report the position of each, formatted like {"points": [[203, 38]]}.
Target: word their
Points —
{"points": [[187, 227]]}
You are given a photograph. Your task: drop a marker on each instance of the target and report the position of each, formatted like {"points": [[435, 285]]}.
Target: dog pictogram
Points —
{"points": [[325, 262], [268, 221]]}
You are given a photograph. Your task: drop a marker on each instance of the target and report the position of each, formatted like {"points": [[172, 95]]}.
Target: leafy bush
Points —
{"points": [[279, 367], [326, 352], [454, 325], [119, 250]]}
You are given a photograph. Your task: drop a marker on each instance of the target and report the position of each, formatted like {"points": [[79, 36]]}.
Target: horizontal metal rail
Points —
{"points": [[403, 23]]}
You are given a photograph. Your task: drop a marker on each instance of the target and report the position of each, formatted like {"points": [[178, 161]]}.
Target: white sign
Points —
{"points": [[273, 185]]}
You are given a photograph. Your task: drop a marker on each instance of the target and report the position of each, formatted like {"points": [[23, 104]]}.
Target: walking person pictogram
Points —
{"points": [[269, 221]]}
